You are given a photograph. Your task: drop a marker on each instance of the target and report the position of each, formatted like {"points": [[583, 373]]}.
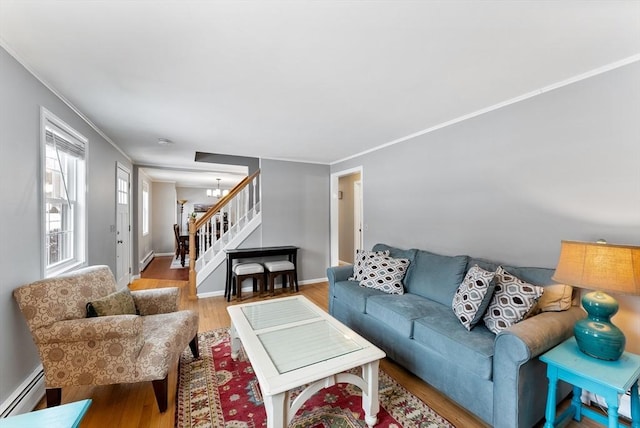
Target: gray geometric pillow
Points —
{"points": [[512, 300], [385, 274], [473, 296], [362, 256]]}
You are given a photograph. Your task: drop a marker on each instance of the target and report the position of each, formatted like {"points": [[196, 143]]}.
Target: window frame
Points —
{"points": [[79, 244]]}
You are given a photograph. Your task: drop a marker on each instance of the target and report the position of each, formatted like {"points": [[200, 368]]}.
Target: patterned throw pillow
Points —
{"points": [[473, 296], [385, 274], [118, 303], [512, 300], [362, 256]]}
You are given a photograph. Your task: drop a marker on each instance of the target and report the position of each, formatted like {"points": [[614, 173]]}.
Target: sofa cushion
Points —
{"points": [[351, 294], [532, 275], [435, 276], [512, 300], [360, 262], [441, 331], [385, 274], [398, 311], [473, 296]]}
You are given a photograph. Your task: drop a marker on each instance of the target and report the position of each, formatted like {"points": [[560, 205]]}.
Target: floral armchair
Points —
{"points": [[76, 350]]}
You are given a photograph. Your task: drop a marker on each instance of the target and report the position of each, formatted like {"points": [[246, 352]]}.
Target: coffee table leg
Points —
{"points": [[235, 342], [276, 408], [370, 403]]}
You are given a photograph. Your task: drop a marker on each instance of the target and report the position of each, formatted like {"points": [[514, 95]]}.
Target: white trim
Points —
{"points": [[333, 206], [49, 119], [551, 87], [62, 98], [142, 264], [219, 293], [26, 397]]}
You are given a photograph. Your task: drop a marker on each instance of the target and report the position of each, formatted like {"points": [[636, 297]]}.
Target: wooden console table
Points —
{"points": [[251, 253]]}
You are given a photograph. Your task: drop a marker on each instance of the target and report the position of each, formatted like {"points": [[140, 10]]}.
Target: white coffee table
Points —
{"points": [[291, 342]]}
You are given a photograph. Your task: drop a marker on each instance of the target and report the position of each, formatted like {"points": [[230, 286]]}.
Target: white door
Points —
{"points": [[123, 228]]}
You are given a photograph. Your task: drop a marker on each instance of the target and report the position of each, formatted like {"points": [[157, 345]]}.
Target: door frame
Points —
{"points": [[334, 210], [358, 226], [129, 233]]}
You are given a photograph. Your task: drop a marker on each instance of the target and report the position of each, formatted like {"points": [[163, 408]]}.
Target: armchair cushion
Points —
{"points": [[83, 329], [118, 303]]}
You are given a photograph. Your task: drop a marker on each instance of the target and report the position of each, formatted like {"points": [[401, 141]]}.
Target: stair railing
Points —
{"points": [[216, 228]]}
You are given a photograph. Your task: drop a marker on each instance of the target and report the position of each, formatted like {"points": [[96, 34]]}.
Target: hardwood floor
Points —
{"points": [[159, 269], [134, 405]]}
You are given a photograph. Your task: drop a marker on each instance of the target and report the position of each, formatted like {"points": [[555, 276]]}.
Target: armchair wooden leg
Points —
{"points": [[54, 397], [195, 350], [161, 389]]}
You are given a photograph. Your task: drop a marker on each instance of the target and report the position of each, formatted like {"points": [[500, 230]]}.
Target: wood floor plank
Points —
{"points": [[134, 405]]}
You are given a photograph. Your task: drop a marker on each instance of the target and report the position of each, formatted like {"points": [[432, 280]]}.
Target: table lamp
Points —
{"points": [[602, 267]]}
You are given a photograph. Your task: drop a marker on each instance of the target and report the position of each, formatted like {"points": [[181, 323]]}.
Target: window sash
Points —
{"points": [[63, 196]]}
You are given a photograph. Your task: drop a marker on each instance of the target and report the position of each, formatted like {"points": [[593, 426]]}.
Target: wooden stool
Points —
{"points": [[243, 271], [284, 268]]}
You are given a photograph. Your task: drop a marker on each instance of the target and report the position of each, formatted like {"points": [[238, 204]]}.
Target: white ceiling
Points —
{"points": [[302, 80]]}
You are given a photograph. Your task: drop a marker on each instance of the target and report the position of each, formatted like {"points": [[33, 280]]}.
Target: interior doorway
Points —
{"points": [[123, 226], [347, 214]]}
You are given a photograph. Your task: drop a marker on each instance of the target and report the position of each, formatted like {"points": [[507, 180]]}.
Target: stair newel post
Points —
{"points": [[254, 195], [193, 294]]}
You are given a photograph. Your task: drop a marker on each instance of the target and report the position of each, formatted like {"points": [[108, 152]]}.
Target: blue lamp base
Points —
{"points": [[596, 335]]}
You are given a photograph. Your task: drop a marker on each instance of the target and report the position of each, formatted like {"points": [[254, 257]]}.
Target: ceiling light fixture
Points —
{"points": [[215, 192], [164, 141]]}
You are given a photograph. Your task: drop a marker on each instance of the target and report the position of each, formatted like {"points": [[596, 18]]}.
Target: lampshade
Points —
{"points": [[600, 266]]}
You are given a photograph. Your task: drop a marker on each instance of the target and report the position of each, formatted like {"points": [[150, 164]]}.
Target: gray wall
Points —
{"points": [[295, 211], [165, 212], [21, 96], [510, 184]]}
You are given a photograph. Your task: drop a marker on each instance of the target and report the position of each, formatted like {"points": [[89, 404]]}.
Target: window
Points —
{"points": [[64, 195], [145, 208]]}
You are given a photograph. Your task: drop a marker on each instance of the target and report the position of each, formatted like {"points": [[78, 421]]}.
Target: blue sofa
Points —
{"points": [[496, 377]]}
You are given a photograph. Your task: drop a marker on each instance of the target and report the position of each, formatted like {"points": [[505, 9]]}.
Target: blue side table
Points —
{"points": [[63, 416], [609, 379]]}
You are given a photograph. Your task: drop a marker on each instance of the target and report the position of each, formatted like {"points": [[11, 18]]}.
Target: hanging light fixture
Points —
{"points": [[215, 192]]}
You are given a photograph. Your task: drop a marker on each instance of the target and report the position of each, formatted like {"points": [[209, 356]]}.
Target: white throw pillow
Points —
{"points": [[385, 274], [512, 300], [362, 256]]}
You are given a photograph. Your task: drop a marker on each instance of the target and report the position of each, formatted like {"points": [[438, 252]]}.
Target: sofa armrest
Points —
{"points": [[538, 334], [339, 273], [86, 329], [156, 301], [519, 378]]}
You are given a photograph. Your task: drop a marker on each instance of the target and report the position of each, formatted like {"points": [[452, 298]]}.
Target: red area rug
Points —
{"points": [[215, 391]]}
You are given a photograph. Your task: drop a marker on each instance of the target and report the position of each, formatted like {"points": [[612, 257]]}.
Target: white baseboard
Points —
{"points": [[218, 293], [26, 397], [142, 264], [165, 254]]}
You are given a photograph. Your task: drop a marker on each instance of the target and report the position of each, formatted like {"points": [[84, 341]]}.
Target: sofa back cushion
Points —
{"points": [[436, 277]]}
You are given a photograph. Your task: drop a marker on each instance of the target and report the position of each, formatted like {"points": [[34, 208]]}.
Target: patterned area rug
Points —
{"points": [[177, 263], [215, 391]]}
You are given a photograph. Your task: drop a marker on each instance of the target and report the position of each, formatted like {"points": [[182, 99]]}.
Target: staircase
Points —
{"points": [[225, 225]]}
